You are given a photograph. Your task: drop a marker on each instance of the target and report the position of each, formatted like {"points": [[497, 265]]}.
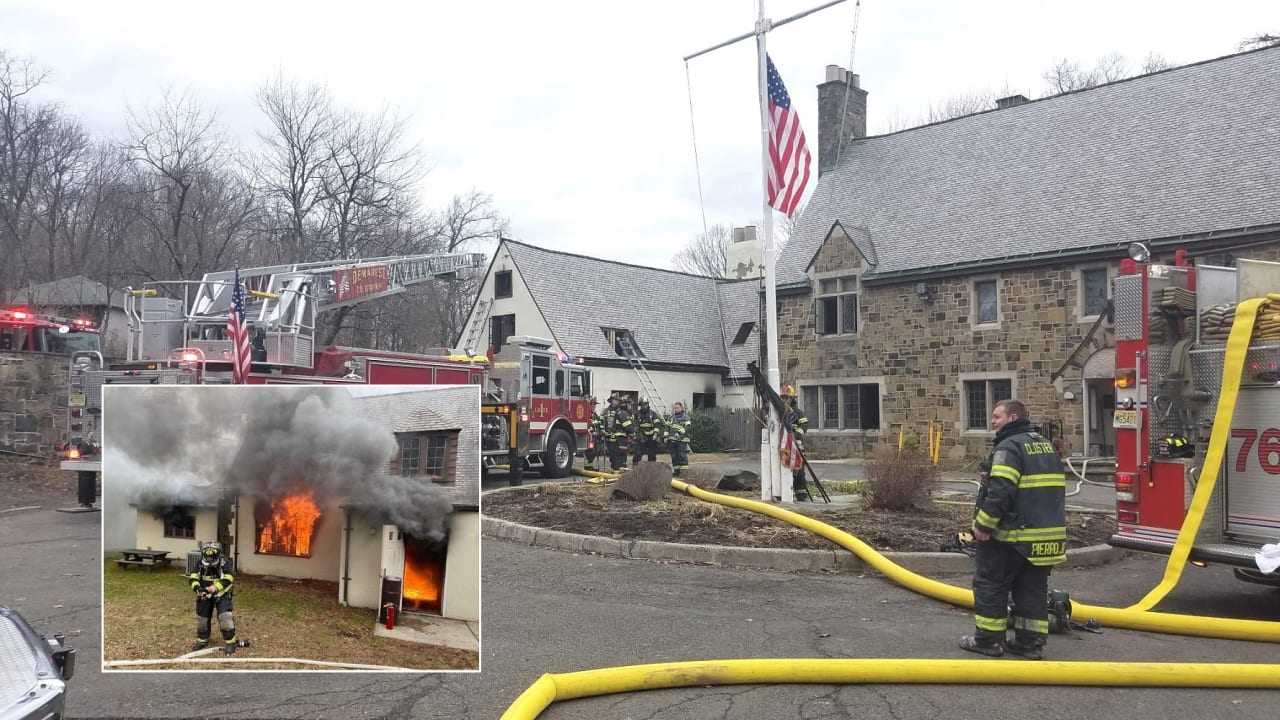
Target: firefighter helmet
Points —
{"points": [[789, 391], [210, 555]]}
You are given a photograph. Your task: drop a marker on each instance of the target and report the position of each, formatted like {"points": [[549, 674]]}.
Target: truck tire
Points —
{"points": [[557, 457]]}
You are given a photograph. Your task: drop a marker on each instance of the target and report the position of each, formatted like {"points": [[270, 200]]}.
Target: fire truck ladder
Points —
{"points": [[484, 308], [647, 385]]}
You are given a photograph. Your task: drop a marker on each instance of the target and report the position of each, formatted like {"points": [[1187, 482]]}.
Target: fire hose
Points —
{"points": [[552, 687]]}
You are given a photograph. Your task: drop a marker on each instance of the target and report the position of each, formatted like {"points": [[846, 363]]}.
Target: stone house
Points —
{"points": [[939, 269], [695, 334]]}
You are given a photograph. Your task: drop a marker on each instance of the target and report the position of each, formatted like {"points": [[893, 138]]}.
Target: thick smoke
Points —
{"points": [[174, 446]]}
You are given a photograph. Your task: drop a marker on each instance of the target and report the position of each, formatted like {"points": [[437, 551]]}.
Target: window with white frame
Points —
{"points": [[836, 305], [842, 406], [980, 397], [986, 302], [1095, 290]]}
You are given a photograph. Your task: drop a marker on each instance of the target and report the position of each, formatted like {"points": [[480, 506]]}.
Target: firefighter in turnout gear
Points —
{"points": [[598, 440], [648, 428], [1020, 528], [796, 423], [617, 428], [677, 436], [212, 585]]}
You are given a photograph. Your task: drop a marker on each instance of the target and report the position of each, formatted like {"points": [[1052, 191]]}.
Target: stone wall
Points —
{"points": [[33, 403], [920, 351]]}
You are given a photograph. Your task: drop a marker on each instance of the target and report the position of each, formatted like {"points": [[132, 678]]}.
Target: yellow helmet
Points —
{"points": [[788, 391]]}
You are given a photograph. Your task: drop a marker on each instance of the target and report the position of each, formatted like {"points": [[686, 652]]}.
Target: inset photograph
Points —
{"points": [[291, 528]]}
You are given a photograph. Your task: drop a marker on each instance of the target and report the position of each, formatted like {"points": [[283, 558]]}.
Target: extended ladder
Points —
{"points": [[647, 384], [484, 307]]}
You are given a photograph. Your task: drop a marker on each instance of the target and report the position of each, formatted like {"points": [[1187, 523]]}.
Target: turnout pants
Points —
{"points": [[1001, 572], [679, 456], [205, 609], [617, 455], [596, 450], [645, 447]]}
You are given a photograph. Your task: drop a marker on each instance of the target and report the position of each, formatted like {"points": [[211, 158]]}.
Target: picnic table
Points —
{"points": [[150, 559]]}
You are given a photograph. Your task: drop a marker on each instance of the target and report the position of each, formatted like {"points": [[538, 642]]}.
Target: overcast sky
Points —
{"points": [[575, 115]]}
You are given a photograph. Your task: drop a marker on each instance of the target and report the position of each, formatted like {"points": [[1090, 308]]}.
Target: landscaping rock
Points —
{"points": [[739, 480], [646, 481], [702, 477]]}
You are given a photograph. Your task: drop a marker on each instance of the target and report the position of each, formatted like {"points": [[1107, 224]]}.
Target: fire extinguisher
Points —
{"points": [[389, 612]]}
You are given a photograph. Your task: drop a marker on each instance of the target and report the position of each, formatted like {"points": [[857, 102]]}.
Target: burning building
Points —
{"points": [[378, 494]]}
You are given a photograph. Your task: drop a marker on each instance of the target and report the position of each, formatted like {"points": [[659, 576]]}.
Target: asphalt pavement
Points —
{"points": [[551, 611]]}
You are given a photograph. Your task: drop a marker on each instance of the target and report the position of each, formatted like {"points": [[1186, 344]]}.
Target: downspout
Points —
{"points": [[346, 557]]}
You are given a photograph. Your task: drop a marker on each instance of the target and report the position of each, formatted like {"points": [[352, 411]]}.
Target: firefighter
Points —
{"points": [[617, 426], [796, 423], [212, 585], [598, 441], [1020, 528], [677, 437], [648, 428]]}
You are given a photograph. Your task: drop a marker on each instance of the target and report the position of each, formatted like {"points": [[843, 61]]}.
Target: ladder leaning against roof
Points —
{"points": [[484, 308], [647, 384]]}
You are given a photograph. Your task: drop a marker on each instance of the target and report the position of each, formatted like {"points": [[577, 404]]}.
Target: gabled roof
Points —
{"points": [[74, 291], [1180, 152], [455, 407], [739, 304], [675, 317]]}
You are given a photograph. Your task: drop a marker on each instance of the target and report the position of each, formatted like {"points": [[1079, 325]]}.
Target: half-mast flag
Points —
{"points": [[238, 334], [788, 153]]}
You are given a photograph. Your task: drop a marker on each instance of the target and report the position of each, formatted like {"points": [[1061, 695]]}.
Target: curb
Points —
{"points": [[925, 563]]}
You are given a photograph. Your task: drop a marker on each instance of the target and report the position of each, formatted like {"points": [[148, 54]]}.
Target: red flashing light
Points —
{"points": [[1126, 378], [1126, 516], [73, 454], [190, 357], [20, 315], [1126, 487]]}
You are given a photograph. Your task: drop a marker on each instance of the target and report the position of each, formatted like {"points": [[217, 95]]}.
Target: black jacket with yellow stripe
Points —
{"points": [[1023, 501], [217, 576]]}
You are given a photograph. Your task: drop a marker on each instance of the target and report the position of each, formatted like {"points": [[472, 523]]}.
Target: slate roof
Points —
{"points": [[73, 291], [740, 303], [1183, 151], [454, 407], [675, 317]]}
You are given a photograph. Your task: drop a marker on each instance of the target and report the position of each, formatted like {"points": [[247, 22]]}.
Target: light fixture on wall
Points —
{"points": [[1139, 252], [925, 292]]}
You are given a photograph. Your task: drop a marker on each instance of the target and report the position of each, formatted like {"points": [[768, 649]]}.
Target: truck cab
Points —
{"points": [[22, 330], [538, 409]]}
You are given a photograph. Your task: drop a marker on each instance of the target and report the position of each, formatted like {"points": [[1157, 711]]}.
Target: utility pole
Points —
{"points": [[773, 486]]}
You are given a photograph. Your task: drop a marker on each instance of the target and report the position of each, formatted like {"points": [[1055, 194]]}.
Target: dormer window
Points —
{"points": [[622, 342], [744, 332]]}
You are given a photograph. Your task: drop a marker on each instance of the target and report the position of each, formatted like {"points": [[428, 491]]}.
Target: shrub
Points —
{"points": [[704, 434], [898, 480]]}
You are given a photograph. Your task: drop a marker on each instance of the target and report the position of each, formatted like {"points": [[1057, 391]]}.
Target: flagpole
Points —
{"points": [[771, 463]]}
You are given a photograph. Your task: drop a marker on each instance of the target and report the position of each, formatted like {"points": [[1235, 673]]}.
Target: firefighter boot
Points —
{"points": [[200, 645], [230, 647], [1029, 649], [982, 646]]}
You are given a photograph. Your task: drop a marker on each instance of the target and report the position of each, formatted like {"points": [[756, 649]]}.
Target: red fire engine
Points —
{"points": [[24, 330], [537, 410], [1170, 354]]}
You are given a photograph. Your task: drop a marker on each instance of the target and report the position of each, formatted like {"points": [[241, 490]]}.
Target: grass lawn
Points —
{"points": [[151, 614]]}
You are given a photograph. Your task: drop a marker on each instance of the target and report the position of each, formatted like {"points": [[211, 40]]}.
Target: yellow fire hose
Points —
{"points": [[826, 671]]}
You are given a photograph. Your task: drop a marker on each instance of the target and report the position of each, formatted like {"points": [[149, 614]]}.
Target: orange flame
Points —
{"points": [[423, 580], [289, 529]]}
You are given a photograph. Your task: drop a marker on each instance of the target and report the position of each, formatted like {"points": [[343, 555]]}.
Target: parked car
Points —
{"points": [[34, 671]]}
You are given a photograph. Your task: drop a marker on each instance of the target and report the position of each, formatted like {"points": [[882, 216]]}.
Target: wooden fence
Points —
{"points": [[739, 429]]}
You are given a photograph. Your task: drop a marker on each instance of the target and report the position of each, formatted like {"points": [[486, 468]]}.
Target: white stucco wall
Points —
{"points": [[528, 319], [365, 586], [149, 533], [462, 568], [672, 386], [325, 546]]}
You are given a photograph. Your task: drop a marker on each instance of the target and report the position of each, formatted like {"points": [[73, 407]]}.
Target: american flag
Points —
{"points": [[788, 154], [239, 334], [789, 452]]}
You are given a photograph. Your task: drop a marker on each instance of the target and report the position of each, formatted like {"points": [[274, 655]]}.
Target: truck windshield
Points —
{"points": [[66, 343], [541, 384]]}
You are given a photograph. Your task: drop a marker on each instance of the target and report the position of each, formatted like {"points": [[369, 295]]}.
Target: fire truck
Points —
{"points": [[1169, 362], [537, 410], [24, 330]]}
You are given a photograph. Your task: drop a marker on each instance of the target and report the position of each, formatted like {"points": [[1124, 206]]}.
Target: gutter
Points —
{"points": [[346, 557]]}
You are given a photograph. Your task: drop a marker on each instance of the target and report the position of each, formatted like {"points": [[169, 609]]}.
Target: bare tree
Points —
{"points": [[1259, 41], [1066, 76], [1155, 62], [24, 127], [961, 105], [706, 254], [293, 162]]}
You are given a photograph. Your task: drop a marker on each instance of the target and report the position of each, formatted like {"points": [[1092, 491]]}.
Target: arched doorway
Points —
{"points": [[1099, 403]]}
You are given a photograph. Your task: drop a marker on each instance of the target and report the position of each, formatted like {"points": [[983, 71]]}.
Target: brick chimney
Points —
{"points": [[831, 103]]}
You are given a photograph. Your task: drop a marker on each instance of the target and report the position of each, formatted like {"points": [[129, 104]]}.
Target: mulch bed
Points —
{"points": [[589, 510], [25, 482]]}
